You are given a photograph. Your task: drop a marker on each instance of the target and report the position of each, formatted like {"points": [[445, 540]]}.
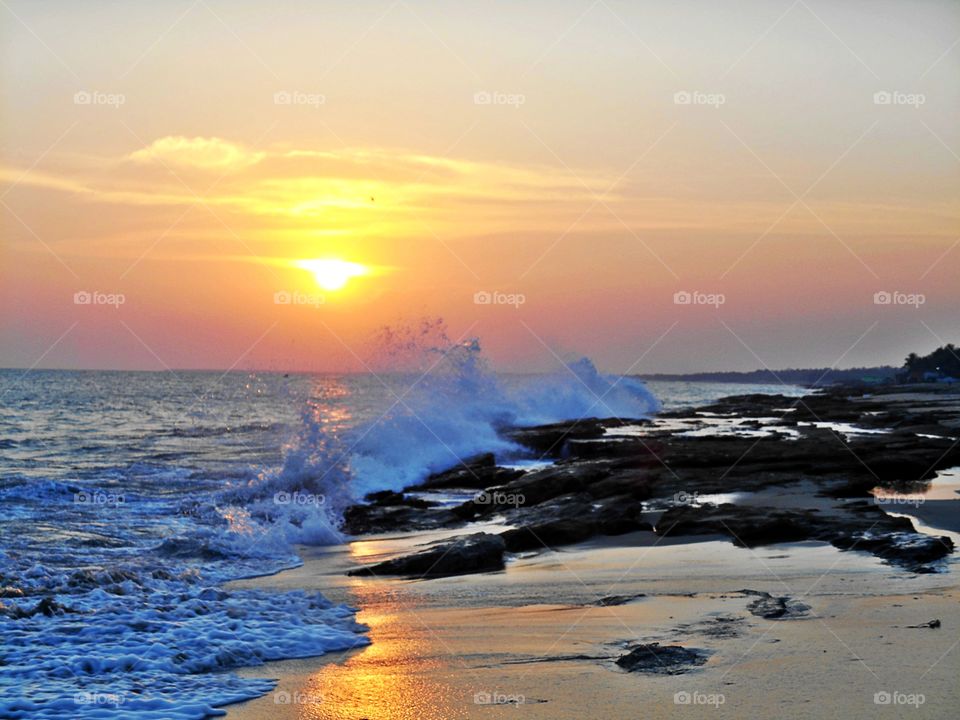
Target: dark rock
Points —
{"points": [[770, 607], [386, 498], [748, 526], [619, 515], [662, 659], [474, 473], [849, 488], [907, 549], [890, 468], [535, 488], [551, 440], [642, 451], [932, 624], [47, 606], [571, 519], [550, 534], [718, 627], [750, 405], [480, 552], [560, 479], [634, 483], [851, 526], [612, 600], [389, 511], [363, 519]]}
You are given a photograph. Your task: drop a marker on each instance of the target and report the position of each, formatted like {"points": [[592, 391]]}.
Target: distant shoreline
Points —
{"points": [[809, 377]]}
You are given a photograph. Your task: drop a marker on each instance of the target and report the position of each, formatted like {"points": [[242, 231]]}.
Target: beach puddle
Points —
{"points": [[933, 505], [846, 429], [708, 424]]}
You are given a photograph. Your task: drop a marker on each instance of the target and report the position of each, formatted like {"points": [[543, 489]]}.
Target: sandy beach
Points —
{"points": [[535, 638]]}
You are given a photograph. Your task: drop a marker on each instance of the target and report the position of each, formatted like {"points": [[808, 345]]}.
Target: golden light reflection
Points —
{"points": [[362, 549], [328, 406], [397, 677]]}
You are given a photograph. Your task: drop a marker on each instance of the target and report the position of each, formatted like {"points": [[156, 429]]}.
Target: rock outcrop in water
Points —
{"points": [[612, 477], [478, 472]]}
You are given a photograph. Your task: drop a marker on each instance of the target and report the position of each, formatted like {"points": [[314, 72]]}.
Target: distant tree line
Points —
{"points": [[942, 363]]}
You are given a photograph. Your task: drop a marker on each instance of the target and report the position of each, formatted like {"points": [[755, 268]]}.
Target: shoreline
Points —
{"points": [[542, 635]]}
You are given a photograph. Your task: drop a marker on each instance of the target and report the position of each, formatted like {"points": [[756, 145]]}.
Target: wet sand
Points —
{"points": [[441, 648]]}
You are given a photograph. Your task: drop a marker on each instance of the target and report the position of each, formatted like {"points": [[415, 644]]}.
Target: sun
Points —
{"points": [[331, 274]]}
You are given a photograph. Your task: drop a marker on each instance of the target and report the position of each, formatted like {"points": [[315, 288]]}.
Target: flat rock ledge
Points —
{"points": [[480, 552]]}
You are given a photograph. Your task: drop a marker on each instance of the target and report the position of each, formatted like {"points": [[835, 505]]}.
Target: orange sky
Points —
{"points": [[580, 163]]}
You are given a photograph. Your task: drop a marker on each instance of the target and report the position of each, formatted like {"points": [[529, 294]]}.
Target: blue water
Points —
{"points": [[129, 499], [113, 502]]}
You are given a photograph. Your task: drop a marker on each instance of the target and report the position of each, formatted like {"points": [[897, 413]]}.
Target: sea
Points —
{"points": [[128, 500]]}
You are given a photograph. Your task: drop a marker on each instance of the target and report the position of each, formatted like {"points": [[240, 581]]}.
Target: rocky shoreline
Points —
{"points": [[757, 469]]}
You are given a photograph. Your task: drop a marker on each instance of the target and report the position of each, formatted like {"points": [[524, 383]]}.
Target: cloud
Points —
{"points": [[285, 190], [197, 152]]}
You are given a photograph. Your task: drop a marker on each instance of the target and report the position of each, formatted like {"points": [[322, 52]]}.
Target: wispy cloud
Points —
{"points": [[197, 152], [305, 183]]}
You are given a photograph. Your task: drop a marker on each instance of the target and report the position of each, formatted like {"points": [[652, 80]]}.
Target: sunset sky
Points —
{"points": [[180, 160]]}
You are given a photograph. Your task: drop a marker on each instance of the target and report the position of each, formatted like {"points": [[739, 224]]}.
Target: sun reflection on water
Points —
{"points": [[394, 678]]}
